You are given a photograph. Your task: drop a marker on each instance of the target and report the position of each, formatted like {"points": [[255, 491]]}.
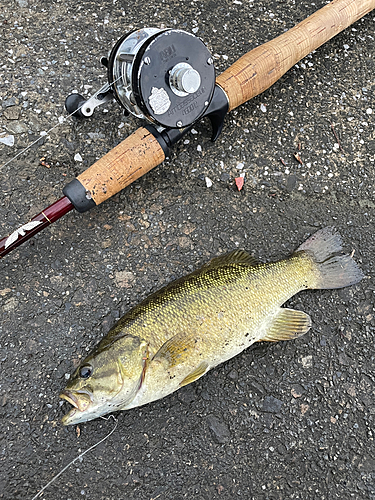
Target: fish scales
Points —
{"points": [[177, 334], [226, 318], [232, 288]]}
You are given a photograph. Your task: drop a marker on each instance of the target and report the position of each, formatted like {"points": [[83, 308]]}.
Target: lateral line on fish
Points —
{"points": [[79, 456]]}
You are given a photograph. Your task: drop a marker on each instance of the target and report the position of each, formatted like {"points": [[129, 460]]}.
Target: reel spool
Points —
{"points": [[166, 77]]}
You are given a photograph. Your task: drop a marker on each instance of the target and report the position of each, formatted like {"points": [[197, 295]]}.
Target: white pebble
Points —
{"points": [[199, 148], [263, 108], [208, 182], [369, 111], [78, 157], [240, 166], [8, 140]]}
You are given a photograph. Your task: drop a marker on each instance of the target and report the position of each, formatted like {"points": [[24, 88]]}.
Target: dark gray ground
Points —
{"points": [[290, 420]]}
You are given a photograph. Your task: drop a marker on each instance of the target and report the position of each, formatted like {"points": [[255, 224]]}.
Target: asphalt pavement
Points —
{"points": [[286, 420]]}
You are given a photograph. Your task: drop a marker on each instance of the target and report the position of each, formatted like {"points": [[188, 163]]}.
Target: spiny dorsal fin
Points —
{"points": [[195, 374], [287, 325], [235, 257]]}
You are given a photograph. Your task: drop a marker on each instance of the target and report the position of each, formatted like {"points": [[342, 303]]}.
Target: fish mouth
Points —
{"points": [[80, 402]]}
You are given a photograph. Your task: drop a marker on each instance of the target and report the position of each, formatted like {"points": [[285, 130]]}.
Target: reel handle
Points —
{"points": [[260, 68]]}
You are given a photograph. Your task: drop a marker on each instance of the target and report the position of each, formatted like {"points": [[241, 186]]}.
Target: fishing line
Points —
{"points": [[79, 456], [44, 134]]}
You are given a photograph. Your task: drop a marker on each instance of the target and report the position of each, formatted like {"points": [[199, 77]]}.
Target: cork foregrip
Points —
{"points": [[260, 68], [132, 158]]}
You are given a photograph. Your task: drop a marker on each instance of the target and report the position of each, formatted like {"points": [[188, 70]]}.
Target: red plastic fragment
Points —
{"points": [[239, 182]]}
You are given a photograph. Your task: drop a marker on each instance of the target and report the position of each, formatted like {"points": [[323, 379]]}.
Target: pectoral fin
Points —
{"points": [[288, 324], [177, 349], [195, 374]]}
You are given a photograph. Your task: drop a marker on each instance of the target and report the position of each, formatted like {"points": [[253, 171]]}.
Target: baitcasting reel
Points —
{"points": [[166, 77]]}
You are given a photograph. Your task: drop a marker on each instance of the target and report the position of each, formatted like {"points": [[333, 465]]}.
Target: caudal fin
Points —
{"points": [[332, 269]]}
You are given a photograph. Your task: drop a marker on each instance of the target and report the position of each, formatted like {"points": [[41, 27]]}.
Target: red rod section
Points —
{"points": [[48, 216]]}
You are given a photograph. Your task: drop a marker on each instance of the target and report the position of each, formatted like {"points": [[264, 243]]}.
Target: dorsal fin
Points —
{"points": [[235, 257]]}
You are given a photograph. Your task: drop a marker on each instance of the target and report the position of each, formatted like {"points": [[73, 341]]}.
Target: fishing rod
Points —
{"points": [[166, 77]]}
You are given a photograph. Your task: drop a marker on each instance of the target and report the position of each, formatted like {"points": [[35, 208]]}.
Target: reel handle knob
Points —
{"points": [[73, 105]]}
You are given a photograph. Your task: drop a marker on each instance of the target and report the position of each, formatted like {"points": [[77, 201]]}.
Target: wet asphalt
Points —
{"points": [[287, 420]]}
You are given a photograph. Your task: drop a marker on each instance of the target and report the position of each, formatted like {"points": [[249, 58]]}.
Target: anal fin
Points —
{"points": [[288, 324], [195, 374]]}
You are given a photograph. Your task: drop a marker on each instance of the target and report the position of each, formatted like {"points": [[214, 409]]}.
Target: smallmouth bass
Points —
{"points": [[193, 324]]}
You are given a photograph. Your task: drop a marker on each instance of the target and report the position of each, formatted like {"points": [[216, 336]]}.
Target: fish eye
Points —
{"points": [[85, 371]]}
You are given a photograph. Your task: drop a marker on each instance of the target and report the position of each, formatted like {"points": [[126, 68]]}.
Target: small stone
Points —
{"points": [[208, 182], [296, 393], [307, 361], [291, 182], [263, 162], [187, 395], [78, 157], [17, 128], [8, 140], [263, 108], [350, 389], [344, 360], [10, 304], [257, 388], [184, 242], [233, 374], [304, 407], [219, 429], [10, 102], [124, 279], [272, 405], [12, 113]]}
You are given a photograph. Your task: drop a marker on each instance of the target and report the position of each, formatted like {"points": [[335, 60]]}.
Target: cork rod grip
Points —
{"points": [[260, 68], [132, 158]]}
